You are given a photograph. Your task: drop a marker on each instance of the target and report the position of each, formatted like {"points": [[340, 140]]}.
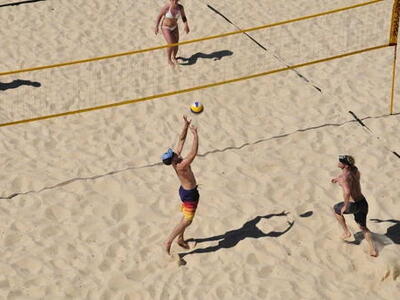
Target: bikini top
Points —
{"points": [[169, 15]]}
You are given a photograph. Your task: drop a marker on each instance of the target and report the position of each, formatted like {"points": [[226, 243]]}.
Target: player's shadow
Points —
{"points": [[231, 238], [217, 55], [17, 83], [391, 236], [392, 232]]}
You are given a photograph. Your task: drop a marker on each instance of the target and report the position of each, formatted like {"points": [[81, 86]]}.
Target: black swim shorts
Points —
{"points": [[358, 208]]}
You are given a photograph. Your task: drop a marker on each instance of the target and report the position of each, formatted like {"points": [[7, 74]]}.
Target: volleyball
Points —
{"points": [[196, 107]]}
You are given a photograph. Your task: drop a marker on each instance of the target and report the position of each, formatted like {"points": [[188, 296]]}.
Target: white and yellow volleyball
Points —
{"points": [[196, 107]]}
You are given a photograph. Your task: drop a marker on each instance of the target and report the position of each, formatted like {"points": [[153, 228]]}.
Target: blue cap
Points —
{"points": [[167, 155]]}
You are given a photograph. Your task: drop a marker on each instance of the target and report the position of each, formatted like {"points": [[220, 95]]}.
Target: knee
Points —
{"points": [[336, 209], [187, 222]]}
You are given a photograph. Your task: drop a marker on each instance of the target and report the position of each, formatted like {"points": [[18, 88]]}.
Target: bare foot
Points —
{"points": [[183, 244], [181, 262], [176, 60], [346, 235], [171, 63], [167, 247]]}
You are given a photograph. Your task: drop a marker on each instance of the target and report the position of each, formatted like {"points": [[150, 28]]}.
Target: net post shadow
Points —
{"points": [[20, 2]]}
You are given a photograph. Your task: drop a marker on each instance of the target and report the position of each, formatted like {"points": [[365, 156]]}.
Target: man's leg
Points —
{"points": [[178, 231], [342, 221], [368, 236], [181, 240], [361, 219]]}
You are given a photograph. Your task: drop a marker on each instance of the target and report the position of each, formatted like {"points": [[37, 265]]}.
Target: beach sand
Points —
{"points": [[86, 203]]}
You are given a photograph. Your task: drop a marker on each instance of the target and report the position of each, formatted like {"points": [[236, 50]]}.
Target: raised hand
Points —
{"points": [[187, 121]]}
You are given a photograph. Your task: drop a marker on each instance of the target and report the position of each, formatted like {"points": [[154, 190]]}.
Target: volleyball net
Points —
{"points": [[119, 79]]}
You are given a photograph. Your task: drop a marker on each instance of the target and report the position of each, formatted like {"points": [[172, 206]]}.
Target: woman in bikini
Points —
{"points": [[168, 17]]}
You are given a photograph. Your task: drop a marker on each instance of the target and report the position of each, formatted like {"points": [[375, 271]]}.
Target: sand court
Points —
{"points": [[86, 203]]}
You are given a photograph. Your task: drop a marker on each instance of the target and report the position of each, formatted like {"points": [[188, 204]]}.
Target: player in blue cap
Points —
{"points": [[188, 190]]}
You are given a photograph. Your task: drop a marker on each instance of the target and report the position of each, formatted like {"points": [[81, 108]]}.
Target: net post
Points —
{"points": [[393, 79], [394, 28]]}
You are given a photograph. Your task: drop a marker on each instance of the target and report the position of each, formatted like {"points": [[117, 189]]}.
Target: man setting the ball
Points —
{"points": [[188, 190]]}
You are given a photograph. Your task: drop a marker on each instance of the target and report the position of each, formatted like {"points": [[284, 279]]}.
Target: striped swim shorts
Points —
{"points": [[190, 200]]}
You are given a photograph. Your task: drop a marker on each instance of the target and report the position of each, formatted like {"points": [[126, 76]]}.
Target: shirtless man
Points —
{"points": [[188, 190], [354, 201]]}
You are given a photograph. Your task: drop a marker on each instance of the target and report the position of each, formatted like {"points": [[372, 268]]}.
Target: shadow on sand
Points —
{"points": [[217, 55], [17, 83], [20, 2], [231, 238], [392, 235], [392, 232], [306, 214]]}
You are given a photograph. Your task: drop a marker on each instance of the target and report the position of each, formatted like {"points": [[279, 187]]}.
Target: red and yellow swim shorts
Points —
{"points": [[190, 200]]}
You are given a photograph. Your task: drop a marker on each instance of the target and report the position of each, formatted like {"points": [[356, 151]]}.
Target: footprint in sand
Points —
{"points": [[57, 213], [49, 231], [30, 265], [119, 211]]}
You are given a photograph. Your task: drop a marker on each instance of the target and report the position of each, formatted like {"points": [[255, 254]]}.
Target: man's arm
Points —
{"points": [[193, 151], [182, 136]]}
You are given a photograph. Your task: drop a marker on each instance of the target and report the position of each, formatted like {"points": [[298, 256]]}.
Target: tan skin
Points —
{"points": [[171, 36], [186, 177], [349, 180]]}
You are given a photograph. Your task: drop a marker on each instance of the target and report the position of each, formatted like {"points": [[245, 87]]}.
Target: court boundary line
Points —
{"points": [[204, 154]]}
